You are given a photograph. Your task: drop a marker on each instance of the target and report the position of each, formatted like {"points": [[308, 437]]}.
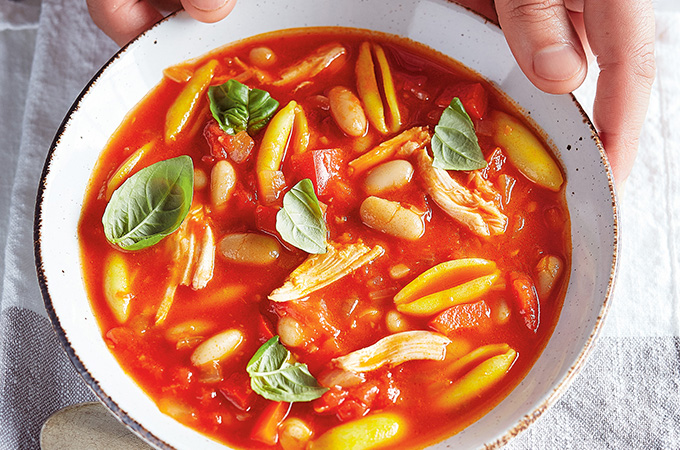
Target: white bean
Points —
{"points": [[249, 248], [388, 176], [501, 313], [200, 179], [548, 270], [395, 322], [391, 218], [290, 332], [217, 348], [222, 183], [399, 271], [294, 434], [262, 57], [347, 111], [186, 329]]}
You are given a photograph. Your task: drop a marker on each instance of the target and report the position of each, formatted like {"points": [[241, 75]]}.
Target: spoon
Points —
{"points": [[87, 426]]}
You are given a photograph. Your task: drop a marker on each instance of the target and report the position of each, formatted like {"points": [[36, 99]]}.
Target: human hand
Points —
{"points": [[123, 20], [551, 40]]}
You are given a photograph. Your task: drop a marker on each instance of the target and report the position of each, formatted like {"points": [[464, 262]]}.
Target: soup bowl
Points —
{"points": [[439, 24]]}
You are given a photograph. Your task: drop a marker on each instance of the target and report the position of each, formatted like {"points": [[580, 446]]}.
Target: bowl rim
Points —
{"points": [[523, 423]]}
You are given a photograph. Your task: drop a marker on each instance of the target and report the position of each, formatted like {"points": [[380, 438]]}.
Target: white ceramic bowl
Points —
{"points": [[439, 24]]}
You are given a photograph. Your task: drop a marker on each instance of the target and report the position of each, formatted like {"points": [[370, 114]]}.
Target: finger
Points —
{"points": [[122, 20], [484, 7], [544, 42], [625, 54], [208, 10], [574, 5]]}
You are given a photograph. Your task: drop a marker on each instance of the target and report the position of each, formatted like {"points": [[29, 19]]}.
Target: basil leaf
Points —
{"points": [[300, 221], [274, 378], [454, 143], [236, 107], [150, 204]]}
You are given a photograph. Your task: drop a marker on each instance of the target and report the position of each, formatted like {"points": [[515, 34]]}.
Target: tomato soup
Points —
{"points": [[326, 238]]}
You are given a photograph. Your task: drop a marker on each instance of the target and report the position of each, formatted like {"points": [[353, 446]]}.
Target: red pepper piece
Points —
{"points": [[237, 390], [463, 317], [320, 166], [266, 429], [265, 219], [525, 294]]}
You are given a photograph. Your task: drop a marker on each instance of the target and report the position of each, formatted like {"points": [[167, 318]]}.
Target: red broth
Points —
{"points": [[357, 310]]}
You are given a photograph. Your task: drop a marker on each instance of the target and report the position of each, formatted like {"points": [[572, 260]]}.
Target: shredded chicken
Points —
{"points": [[396, 349], [318, 271], [204, 263], [261, 75], [311, 65], [485, 188], [194, 260], [482, 217]]}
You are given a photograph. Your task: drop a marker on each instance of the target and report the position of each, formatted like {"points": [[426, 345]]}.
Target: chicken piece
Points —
{"points": [[485, 188], [195, 260], [396, 349], [312, 65], [318, 271], [469, 208]]}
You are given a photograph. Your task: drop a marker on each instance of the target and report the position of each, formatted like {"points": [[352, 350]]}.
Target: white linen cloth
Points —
{"points": [[628, 394]]}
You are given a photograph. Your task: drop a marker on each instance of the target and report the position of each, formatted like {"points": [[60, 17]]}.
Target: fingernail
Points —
{"points": [[558, 62], [208, 5]]}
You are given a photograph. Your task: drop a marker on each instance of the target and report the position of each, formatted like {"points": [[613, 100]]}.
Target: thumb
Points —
{"points": [[544, 42], [208, 10]]}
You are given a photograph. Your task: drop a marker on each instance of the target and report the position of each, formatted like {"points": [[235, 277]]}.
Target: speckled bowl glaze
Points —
{"points": [[439, 24]]}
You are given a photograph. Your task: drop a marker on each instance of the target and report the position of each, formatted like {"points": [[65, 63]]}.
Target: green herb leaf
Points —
{"points": [[274, 378], [454, 143], [150, 205], [300, 221], [236, 107]]}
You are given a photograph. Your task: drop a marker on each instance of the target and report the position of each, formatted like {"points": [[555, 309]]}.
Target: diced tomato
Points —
{"points": [[473, 96], [321, 166], [353, 402], [525, 294], [351, 409], [463, 317], [128, 343], [266, 428], [237, 390], [206, 396], [265, 218], [367, 393], [330, 400], [495, 161], [222, 145]]}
